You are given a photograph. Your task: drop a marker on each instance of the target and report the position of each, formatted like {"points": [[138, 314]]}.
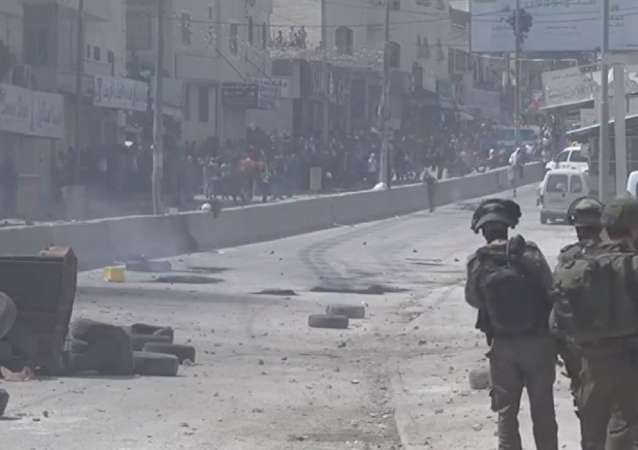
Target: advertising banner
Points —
{"points": [[120, 93], [32, 113], [551, 25]]}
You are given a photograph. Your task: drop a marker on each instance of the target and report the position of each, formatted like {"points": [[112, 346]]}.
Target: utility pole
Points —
{"points": [[620, 137], [324, 71], [517, 76], [79, 75], [603, 151], [384, 109], [158, 129]]}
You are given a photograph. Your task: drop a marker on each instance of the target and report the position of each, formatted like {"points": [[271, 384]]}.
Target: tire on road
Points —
{"points": [[89, 330], [350, 311], [480, 379], [142, 328], [183, 352], [110, 354], [77, 346], [139, 340], [328, 321], [155, 364]]}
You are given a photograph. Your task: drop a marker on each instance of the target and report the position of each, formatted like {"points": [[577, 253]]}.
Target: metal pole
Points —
{"points": [[158, 151], [517, 77], [603, 151], [620, 113], [79, 74], [324, 71], [384, 111]]}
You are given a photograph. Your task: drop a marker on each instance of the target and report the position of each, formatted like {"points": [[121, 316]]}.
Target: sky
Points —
{"points": [[299, 12]]}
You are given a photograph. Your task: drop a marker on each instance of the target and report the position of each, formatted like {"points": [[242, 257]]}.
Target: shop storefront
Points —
{"points": [[31, 127]]}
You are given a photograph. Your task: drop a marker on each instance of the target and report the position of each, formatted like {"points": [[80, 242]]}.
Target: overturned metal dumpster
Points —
{"points": [[43, 288]]}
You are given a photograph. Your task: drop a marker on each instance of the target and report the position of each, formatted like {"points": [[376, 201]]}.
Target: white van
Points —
{"points": [[632, 184], [558, 190], [570, 158]]}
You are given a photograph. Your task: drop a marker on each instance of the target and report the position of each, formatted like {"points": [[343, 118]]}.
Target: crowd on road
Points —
{"points": [[586, 312]]}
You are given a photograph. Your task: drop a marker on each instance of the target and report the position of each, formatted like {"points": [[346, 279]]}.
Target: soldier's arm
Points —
{"points": [[472, 293]]}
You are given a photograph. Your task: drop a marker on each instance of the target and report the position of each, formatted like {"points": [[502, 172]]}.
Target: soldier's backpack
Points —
{"points": [[510, 295], [595, 294]]}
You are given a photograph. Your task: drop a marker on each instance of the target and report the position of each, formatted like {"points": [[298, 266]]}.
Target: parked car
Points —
{"points": [[632, 184], [571, 158], [558, 190]]}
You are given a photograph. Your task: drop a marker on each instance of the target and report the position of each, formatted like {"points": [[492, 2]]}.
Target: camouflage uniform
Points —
{"points": [[607, 393], [519, 361]]}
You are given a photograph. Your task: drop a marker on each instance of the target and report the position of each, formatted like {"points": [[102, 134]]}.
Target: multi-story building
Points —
{"points": [[217, 48], [417, 51], [31, 121]]}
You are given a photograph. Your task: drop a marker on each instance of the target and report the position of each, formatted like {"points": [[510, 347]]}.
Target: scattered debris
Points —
{"points": [[375, 289], [350, 311], [480, 379], [207, 269], [342, 344], [183, 352], [261, 362], [187, 279], [477, 427], [277, 292], [355, 382], [326, 321]]}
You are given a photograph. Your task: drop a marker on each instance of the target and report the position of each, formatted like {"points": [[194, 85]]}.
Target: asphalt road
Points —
{"points": [[265, 380]]}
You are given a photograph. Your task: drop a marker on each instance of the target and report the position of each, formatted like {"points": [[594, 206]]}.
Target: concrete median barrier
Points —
{"points": [[100, 242]]}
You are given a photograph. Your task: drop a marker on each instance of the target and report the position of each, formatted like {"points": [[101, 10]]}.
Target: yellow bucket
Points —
{"points": [[114, 274]]}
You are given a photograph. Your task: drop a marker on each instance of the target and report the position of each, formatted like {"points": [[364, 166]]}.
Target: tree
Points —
{"points": [[525, 22]]}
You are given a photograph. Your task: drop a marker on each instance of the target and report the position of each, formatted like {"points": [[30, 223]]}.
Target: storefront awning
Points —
{"points": [[592, 130], [568, 105]]}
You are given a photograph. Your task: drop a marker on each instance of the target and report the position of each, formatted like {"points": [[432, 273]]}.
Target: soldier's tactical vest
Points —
{"points": [[596, 294], [511, 297]]}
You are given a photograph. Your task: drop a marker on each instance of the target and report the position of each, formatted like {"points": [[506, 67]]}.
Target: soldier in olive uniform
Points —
{"points": [[509, 282], [602, 327], [585, 215]]}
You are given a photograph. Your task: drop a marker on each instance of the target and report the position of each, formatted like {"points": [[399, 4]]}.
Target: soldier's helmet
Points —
{"points": [[621, 213], [585, 212], [504, 211]]}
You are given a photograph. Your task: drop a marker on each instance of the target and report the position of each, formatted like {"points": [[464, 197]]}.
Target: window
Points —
{"points": [[204, 104], [251, 31], [393, 53], [187, 101], [264, 36], [233, 44], [139, 30], [562, 157], [577, 185], [395, 5], [578, 157], [557, 183], [210, 13], [344, 38], [88, 51], [37, 46], [97, 53], [186, 28]]}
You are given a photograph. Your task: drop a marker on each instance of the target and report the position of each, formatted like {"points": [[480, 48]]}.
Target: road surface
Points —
{"points": [[264, 380]]}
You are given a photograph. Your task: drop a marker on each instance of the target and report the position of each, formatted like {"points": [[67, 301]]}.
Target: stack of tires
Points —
{"points": [[138, 349]]}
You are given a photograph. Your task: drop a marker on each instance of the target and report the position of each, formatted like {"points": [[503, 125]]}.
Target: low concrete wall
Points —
{"points": [[101, 242]]}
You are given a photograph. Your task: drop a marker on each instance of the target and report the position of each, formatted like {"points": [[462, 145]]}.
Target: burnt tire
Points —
{"points": [[480, 379], [183, 352], [350, 311], [155, 364], [108, 353], [77, 346], [139, 340], [89, 330], [142, 328], [328, 321]]}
